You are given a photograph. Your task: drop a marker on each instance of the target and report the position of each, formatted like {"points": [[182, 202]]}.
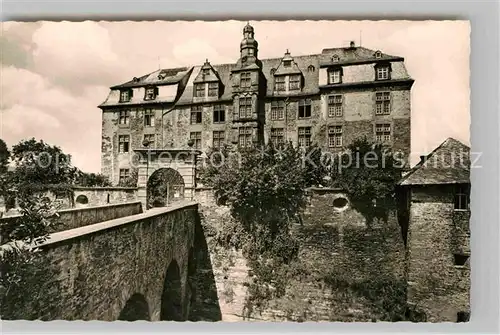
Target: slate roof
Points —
{"points": [[449, 163], [301, 64]]}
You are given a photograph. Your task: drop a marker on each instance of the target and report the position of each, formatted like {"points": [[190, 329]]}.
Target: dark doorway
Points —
{"points": [[135, 309], [463, 317], [164, 186], [171, 299]]}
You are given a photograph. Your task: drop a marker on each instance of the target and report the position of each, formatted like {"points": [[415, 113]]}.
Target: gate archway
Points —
{"points": [[164, 186]]}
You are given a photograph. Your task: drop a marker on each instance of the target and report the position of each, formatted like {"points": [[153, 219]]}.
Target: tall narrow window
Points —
{"points": [[280, 83], [213, 89], [245, 137], [304, 137], [277, 136], [294, 82], [124, 117], [382, 72], [124, 176], [219, 114], [462, 197], [245, 80], [335, 105], [149, 118], [277, 110], [334, 76], [305, 108], [196, 114], [383, 132], [151, 93], [196, 137], [287, 63], [383, 103], [245, 108], [123, 143], [199, 90], [218, 141], [335, 136]]}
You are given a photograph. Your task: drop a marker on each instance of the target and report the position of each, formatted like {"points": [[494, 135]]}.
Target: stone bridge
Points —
{"points": [[150, 266]]}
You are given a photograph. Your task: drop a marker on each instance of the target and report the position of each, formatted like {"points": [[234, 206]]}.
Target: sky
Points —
{"points": [[53, 75]]}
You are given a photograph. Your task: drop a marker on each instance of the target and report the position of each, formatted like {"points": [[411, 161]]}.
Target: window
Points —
{"points": [[149, 118], [151, 93], [124, 141], [277, 110], [124, 117], [199, 90], [218, 139], [378, 54], [305, 108], [251, 52], [382, 72], [334, 76], [287, 63], [245, 110], [206, 72], [311, 68], [245, 80], [460, 260], [196, 114], [277, 136], [280, 83], [219, 114], [196, 137], [383, 132], [335, 136], [335, 58], [273, 70], [335, 105], [150, 138], [383, 103], [124, 175], [462, 198], [294, 82], [304, 137], [125, 95], [245, 137], [213, 89]]}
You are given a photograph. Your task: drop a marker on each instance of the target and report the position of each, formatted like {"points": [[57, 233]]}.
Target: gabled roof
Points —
{"points": [[449, 163]]}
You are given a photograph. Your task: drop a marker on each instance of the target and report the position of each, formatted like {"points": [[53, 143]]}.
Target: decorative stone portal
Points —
{"points": [[176, 167]]}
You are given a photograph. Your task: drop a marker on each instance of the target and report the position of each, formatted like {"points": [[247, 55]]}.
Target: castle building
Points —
{"points": [[330, 99]]}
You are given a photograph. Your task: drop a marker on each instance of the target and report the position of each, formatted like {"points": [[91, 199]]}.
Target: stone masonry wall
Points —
{"points": [[99, 268], [437, 232], [336, 245]]}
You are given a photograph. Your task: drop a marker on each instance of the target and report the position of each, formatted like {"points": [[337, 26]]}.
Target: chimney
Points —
{"points": [[353, 45], [423, 159]]}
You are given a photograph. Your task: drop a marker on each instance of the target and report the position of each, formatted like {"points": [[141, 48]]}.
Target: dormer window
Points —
{"points": [[199, 90], [273, 70], [287, 63], [378, 54], [335, 76], [125, 95], [151, 93], [162, 75], [213, 89], [335, 58], [382, 72], [311, 68], [294, 82]]}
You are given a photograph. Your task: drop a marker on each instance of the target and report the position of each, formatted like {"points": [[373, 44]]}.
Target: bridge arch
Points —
{"points": [[136, 308], [171, 299], [164, 186]]}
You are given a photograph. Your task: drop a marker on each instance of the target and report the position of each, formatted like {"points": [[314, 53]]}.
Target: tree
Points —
{"points": [[37, 162], [4, 156], [92, 179]]}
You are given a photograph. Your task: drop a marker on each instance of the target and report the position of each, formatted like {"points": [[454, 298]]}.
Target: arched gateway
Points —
{"points": [[167, 174]]}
